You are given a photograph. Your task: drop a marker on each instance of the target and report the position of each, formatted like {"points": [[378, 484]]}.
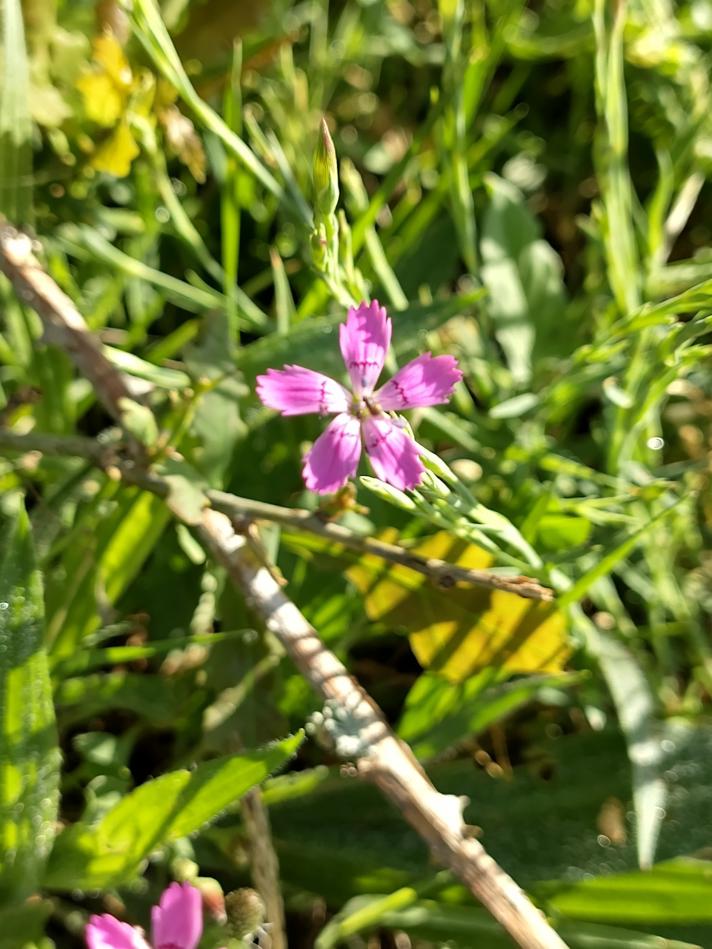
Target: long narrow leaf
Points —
{"points": [[29, 758]]}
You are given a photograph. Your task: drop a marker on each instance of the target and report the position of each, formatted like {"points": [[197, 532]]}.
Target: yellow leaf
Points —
{"points": [[114, 156], [459, 631]]}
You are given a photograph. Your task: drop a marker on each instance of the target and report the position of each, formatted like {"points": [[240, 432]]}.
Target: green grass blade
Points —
{"points": [[611, 156], [15, 121], [29, 761]]}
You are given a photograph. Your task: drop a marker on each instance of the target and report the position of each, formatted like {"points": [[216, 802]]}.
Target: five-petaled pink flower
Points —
{"points": [[361, 414], [176, 923]]}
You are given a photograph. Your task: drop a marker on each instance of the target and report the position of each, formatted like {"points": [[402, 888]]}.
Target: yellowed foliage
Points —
{"points": [[461, 630], [115, 155]]}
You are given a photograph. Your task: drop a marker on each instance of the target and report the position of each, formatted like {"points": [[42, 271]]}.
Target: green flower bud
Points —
{"points": [[326, 175], [435, 464], [319, 246], [388, 493], [432, 483], [245, 912], [184, 869]]}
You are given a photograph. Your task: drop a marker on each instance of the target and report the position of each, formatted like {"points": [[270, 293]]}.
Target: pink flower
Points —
{"points": [[177, 923], [361, 418]]}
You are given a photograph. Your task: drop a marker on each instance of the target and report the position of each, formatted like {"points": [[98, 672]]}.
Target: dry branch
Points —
{"points": [[383, 758], [63, 324], [442, 573]]}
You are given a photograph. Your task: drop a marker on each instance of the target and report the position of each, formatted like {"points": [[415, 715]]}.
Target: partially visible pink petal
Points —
{"points": [[426, 380], [177, 921], [392, 453], [295, 390], [334, 456], [364, 339], [106, 932]]}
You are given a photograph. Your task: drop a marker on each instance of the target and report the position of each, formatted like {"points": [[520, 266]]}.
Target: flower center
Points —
{"points": [[364, 406]]}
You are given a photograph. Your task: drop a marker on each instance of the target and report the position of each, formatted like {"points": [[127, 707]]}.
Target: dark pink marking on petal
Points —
{"points": [[333, 458], [295, 390], [426, 380], [392, 452], [364, 339]]}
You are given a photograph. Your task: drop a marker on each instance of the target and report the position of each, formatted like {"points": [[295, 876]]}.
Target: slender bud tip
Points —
{"points": [[326, 176]]}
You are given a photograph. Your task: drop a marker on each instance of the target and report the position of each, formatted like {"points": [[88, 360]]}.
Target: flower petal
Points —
{"points": [[295, 390], [392, 453], [334, 456], [106, 932], [364, 339], [426, 380], [178, 919]]}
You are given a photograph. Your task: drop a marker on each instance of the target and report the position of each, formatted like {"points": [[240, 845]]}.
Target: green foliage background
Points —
{"points": [[525, 185]]}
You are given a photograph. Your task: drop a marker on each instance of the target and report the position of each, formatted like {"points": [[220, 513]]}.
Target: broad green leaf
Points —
{"points": [[460, 631], [22, 923], [563, 815], [29, 757], [465, 927], [677, 891], [111, 540], [217, 423], [438, 714], [562, 531], [174, 805], [523, 275]]}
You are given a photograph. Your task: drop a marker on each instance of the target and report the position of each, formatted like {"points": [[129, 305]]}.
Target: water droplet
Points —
{"points": [[4, 605], [656, 443]]}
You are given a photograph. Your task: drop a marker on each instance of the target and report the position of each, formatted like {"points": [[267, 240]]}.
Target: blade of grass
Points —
{"points": [[229, 197], [15, 121], [155, 39], [80, 241]]}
